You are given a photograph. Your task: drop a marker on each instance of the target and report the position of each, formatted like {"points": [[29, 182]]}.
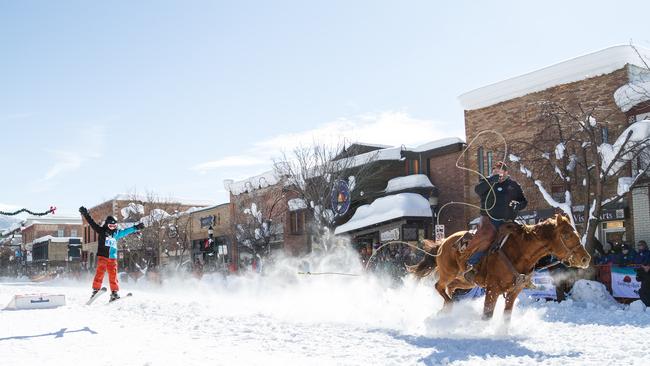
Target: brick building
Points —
{"points": [[261, 218], [401, 175], [512, 108], [221, 251], [128, 209], [51, 241]]}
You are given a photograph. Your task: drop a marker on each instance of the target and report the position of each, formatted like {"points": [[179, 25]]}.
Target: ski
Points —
{"points": [[127, 295], [95, 296]]}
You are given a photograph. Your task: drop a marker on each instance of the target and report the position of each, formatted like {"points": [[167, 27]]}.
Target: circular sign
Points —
{"points": [[340, 197]]}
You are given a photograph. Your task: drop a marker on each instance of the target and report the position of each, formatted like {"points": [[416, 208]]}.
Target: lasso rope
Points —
{"points": [[491, 191], [51, 210], [487, 210], [369, 259]]}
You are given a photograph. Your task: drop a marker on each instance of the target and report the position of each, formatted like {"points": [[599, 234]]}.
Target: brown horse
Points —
{"points": [[508, 269]]}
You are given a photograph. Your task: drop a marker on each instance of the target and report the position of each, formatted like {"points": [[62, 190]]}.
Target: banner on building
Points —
{"points": [[544, 288], [624, 283]]}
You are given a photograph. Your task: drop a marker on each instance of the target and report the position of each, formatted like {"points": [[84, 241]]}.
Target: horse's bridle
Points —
{"points": [[572, 251]]}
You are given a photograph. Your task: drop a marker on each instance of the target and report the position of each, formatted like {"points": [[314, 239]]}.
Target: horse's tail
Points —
{"points": [[428, 263]]}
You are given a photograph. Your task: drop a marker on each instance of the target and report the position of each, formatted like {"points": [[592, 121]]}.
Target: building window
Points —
{"points": [[73, 233], [297, 222], [60, 233], [218, 219], [489, 160], [479, 157], [412, 167], [604, 134]]}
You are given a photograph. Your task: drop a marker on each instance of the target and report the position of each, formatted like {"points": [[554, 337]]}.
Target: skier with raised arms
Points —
{"points": [[108, 235]]}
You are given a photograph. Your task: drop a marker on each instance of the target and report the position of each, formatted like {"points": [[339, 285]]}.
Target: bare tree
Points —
{"points": [[258, 219], [312, 173], [166, 232], [572, 153]]}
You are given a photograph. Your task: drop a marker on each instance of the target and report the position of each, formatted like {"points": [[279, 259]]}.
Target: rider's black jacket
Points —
{"points": [[505, 192]]}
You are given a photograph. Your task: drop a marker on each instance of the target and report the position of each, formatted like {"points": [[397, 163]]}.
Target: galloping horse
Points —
{"points": [[504, 271]]}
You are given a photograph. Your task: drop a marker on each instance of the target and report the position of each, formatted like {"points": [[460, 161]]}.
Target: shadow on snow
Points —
{"points": [[57, 334], [462, 349]]}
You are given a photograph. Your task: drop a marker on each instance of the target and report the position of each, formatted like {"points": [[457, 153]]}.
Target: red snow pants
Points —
{"points": [[103, 265]]}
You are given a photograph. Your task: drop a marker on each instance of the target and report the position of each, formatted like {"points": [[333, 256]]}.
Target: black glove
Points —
{"points": [[139, 226], [494, 178], [83, 210]]}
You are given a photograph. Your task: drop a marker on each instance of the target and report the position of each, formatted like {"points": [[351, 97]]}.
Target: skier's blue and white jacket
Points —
{"points": [[111, 241], [107, 238]]}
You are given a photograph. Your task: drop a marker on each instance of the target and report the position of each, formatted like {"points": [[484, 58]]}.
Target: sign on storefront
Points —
{"points": [[389, 235], [440, 232], [207, 221]]}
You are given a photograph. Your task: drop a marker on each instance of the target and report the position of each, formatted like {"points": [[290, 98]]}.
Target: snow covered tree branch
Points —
{"points": [[571, 157]]}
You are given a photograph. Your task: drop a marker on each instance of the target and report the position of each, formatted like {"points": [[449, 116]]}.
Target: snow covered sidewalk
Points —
{"points": [[308, 321]]}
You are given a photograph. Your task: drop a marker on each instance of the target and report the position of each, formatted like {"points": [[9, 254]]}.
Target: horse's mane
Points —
{"points": [[544, 230]]}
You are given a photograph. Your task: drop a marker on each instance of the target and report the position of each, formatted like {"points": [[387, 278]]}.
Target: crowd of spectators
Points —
{"points": [[624, 254]]}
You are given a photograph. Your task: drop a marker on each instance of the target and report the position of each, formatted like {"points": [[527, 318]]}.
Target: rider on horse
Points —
{"points": [[501, 199]]}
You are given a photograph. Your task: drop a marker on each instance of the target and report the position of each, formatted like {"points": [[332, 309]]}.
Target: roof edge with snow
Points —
{"points": [[578, 68]]}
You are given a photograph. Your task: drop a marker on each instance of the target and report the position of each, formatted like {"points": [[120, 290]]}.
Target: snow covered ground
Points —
{"points": [[289, 319]]}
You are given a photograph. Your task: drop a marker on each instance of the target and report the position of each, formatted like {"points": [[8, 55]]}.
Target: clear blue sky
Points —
{"points": [[98, 98]]}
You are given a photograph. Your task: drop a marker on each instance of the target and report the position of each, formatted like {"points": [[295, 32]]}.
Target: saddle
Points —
{"points": [[502, 235]]}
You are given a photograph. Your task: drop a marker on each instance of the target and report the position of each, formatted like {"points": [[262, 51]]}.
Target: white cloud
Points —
{"points": [[387, 128], [88, 145], [66, 161], [230, 161]]}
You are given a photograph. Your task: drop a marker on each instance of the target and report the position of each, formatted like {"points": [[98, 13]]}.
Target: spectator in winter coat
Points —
{"points": [[642, 254], [108, 235], [643, 276], [608, 258], [627, 256]]}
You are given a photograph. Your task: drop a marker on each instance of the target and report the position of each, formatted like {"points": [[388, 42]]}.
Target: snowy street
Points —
{"points": [[292, 320]]}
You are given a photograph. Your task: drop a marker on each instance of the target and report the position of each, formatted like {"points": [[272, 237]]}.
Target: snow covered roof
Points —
{"points": [[391, 153], [395, 153], [436, 144], [55, 239], [579, 68], [250, 184], [162, 199], [386, 209], [409, 181], [51, 220]]}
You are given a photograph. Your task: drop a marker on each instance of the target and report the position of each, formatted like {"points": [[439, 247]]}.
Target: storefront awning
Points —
{"points": [[385, 209]]}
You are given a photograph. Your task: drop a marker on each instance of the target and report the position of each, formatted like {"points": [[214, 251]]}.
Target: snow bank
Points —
{"points": [[637, 306], [385, 209], [595, 293], [407, 182]]}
